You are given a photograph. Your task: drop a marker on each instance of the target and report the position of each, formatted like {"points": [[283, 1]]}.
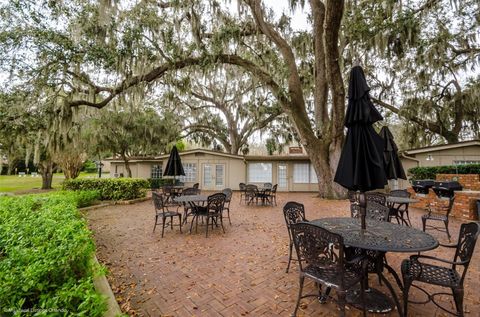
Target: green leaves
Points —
{"points": [[111, 188], [430, 172], [45, 257]]}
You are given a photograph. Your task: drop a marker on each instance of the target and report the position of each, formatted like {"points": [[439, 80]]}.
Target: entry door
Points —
{"points": [[213, 176], [282, 176]]}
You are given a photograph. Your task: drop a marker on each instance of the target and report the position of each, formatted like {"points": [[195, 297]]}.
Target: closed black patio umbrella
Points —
{"points": [[360, 167], [174, 165], [393, 166]]}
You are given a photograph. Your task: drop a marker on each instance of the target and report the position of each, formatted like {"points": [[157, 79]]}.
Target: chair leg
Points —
{"points": [[180, 220], [171, 223], [341, 302], [446, 229], [424, 223], [362, 296], [458, 297], [156, 219], [228, 213], [290, 247], [302, 279], [221, 223], [406, 288], [163, 225], [206, 232]]}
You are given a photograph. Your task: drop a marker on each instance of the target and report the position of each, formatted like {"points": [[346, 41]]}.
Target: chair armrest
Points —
{"points": [[416, 257]]}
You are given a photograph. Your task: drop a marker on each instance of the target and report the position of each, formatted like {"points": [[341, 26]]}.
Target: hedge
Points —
{"points": [[46, 252], [111, 188], [156, 183], [431, 171]]}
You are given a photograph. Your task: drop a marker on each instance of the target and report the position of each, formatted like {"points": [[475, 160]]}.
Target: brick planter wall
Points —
{"points": [[465, 206], [468, 181]]}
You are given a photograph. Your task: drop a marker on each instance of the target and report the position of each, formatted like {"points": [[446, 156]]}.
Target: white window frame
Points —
{"points": [[190, 170], [156, 170], [260, 172], [306, 176]]}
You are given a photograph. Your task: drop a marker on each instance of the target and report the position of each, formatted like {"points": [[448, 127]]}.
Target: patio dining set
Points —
{"points": [[170, 200], [337, 253], [265, 194]]}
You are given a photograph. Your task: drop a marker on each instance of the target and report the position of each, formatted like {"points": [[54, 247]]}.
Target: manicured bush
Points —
{"points": [[111, 188], [82, 198], [89, 167], [156, 183], [430, 172], [46, 251]]}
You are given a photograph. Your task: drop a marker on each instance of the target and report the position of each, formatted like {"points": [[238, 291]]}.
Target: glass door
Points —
{"points": [[282, 176], [213, 176]]}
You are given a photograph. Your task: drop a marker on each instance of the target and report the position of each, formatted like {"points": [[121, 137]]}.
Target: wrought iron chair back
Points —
{"points": [[228, 194], [215, 203], [196, 185], [467, 239], [319, 247], [190, 191], [242, 186], [293, 212], [377, 197], [377, 211], [267, 185], [158, 202]]}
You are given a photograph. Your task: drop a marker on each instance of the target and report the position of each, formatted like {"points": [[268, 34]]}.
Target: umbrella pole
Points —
{"points": [[362, 204]]}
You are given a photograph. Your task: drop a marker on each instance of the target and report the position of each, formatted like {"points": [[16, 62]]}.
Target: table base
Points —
{"points": [[375, 301]]}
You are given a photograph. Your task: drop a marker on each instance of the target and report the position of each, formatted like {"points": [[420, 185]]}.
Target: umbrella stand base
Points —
{"points": [[375, 301]]}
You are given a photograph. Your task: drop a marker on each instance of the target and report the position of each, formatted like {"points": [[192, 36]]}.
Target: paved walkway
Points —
{"points": [[239, 273]]}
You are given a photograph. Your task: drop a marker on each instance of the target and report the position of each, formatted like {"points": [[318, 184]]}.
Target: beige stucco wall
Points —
{"points": [[234, 169], [446, 157]]}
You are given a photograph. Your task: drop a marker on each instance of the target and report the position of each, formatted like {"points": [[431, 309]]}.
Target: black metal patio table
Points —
{"points": [[192, 200], [384, 237], [395, 203]]}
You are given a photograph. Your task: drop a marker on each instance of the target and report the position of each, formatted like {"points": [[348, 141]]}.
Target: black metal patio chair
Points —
{"points": [[321, 258], [293, 212], [228, 198], [440, 211], [162, 211], [415, 269], [251, 194], [242, 187], [401, 211], [212, 212]]}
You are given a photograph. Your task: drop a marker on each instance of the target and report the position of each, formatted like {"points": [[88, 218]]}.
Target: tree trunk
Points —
{"points": [[127, 165], [45, 168]]}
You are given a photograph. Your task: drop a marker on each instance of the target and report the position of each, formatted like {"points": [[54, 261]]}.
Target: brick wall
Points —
{"points": [[468, 181], [464, 207]]}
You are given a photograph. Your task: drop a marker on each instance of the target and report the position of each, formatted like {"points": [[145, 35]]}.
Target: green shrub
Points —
{"points": [[111, 188], [89, 167], [46, 255], [156, 183], [431, 171], [82, 198]]}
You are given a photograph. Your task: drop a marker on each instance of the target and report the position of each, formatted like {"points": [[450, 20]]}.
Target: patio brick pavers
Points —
{"points": [[239, 273]]}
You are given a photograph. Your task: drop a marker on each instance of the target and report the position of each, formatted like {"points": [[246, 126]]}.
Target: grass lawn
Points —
{"points": [[14, 183]]}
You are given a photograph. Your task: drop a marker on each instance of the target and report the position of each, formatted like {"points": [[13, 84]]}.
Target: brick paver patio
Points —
{"points": [[239, 273]]}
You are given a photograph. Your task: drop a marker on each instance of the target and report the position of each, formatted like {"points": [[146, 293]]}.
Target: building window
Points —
{"points": [[465, 162], [304, 173], [156, 171], [190, 170], [260, 172]]}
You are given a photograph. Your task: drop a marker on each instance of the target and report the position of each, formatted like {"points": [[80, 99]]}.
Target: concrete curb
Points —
{"points": [[103, 287]]}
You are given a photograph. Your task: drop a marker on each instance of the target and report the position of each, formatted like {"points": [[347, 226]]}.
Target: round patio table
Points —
{"points": [[191, 198], [395, 210], [384, 237]]}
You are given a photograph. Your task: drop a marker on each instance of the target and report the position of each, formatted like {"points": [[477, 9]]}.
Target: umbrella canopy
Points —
{"points": [[174, 165], [361, 163], [393, 166]]}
